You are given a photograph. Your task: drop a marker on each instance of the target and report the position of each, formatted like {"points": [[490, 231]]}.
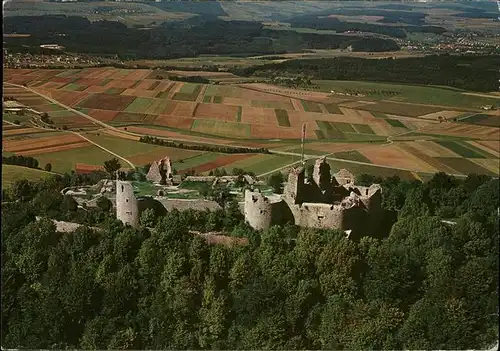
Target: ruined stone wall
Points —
{"points": [[295, 188], [261, 212], [325, 216], [371, 197], [317, 215], [154, 173], [127, 209]]}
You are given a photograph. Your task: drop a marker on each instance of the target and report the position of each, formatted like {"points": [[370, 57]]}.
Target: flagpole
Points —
{"points": [[302, 143]]}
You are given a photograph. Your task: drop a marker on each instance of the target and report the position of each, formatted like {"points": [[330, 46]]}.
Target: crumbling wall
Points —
{"points": [[160, 170], [326, 202], [371, 197], [261, 212], [322, 177], [127, 209], [317, 215], [294, 190], [154, 173], [344, 177]]}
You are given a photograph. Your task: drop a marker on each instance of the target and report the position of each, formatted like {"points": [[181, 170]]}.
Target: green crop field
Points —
{"points": [[482, 119], [327, 130], [189, 88], [238, 114], [460, 149], [188, 92], [12, 173], [363, 128], [464, 166], [221, 128], [68, 73], [162, 94], [195, 161], [351, 155], [271, 104], [409, 93], [282, 117], [74, 87], [395, 108], [395, 123], [378, 114], [123, 147], [139, 105], [64, 161], [308, 151], [63, 113], [311, 106], [478, 150], [344, 127], [11, 117], [332, 108]]}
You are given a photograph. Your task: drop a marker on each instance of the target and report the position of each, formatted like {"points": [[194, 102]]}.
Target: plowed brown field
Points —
{"points": [[46, 150], [107, 102], [32, 144]]}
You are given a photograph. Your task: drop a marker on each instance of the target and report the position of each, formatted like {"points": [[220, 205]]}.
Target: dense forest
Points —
{"points": [[477, 73], [386, 15], [175, 39], [428, 285], [329, 23]]}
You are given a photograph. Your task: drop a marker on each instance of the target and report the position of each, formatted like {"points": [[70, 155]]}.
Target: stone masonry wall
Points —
{"points": [[127, 209]]}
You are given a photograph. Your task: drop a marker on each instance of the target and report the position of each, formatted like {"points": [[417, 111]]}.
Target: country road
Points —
{"points": [[272, 151], [103, 148]]}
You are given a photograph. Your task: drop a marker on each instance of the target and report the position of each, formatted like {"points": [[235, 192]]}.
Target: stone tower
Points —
{"points": [[127, 209], [294, 190]]}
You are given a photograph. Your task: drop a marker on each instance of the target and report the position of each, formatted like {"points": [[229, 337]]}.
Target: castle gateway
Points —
{"points": [[326, 202]]}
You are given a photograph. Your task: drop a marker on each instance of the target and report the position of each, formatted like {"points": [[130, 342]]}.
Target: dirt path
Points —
{"points": [[483, 95], [107, 150]]}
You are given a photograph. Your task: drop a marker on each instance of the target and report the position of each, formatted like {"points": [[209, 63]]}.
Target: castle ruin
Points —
{"points": [[323, 202], [161, 172], [127, 209]]}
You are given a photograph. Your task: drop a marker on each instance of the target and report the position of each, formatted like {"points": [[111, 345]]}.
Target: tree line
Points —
{"points": [[464, 72], [189, 79], [222, 149], [329, 23], [188, 38], [24, 161], [428, 285]]}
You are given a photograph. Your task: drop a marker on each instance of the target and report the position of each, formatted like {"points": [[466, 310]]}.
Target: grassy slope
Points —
{"points": [[12, 173], [64, 161]]}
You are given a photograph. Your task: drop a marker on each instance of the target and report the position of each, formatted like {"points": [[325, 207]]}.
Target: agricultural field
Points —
{"points": [[12, 173], [370, 126]]}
